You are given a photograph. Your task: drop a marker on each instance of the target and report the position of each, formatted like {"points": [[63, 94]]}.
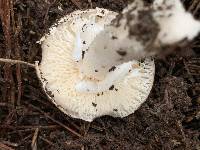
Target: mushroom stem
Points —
{"points": [[94, 87], [11, 61], [140, 31]]}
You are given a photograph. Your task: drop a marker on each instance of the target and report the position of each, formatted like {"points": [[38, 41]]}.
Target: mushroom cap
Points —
{"points": [[59, 71]]}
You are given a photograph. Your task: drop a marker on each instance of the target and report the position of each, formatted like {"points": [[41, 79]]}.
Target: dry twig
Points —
{"points": [[57, 122], [16, 62], [77, 3], [34, 139], [5, 147]]}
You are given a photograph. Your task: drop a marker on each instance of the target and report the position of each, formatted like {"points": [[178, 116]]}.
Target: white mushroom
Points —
{"points": [[119, 94], [89, 67]]}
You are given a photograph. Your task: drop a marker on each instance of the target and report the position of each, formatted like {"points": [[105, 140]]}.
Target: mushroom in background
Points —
{"points": [[140, 31], [96, 62]]}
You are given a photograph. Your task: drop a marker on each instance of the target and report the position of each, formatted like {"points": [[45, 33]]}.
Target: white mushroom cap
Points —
{"points": [[118, 94]]}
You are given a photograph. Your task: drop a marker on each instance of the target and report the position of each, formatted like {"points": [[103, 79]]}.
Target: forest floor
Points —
{"points": [[168, 120]]}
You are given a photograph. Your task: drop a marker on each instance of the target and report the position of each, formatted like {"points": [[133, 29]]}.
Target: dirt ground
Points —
{"points": [[168, 120]]}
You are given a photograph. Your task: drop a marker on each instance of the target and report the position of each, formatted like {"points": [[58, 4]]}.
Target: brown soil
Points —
{"points": [[169, 119]]}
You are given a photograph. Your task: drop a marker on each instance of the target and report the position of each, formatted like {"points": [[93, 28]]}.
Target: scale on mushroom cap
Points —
{"points": [[96, 62]]}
